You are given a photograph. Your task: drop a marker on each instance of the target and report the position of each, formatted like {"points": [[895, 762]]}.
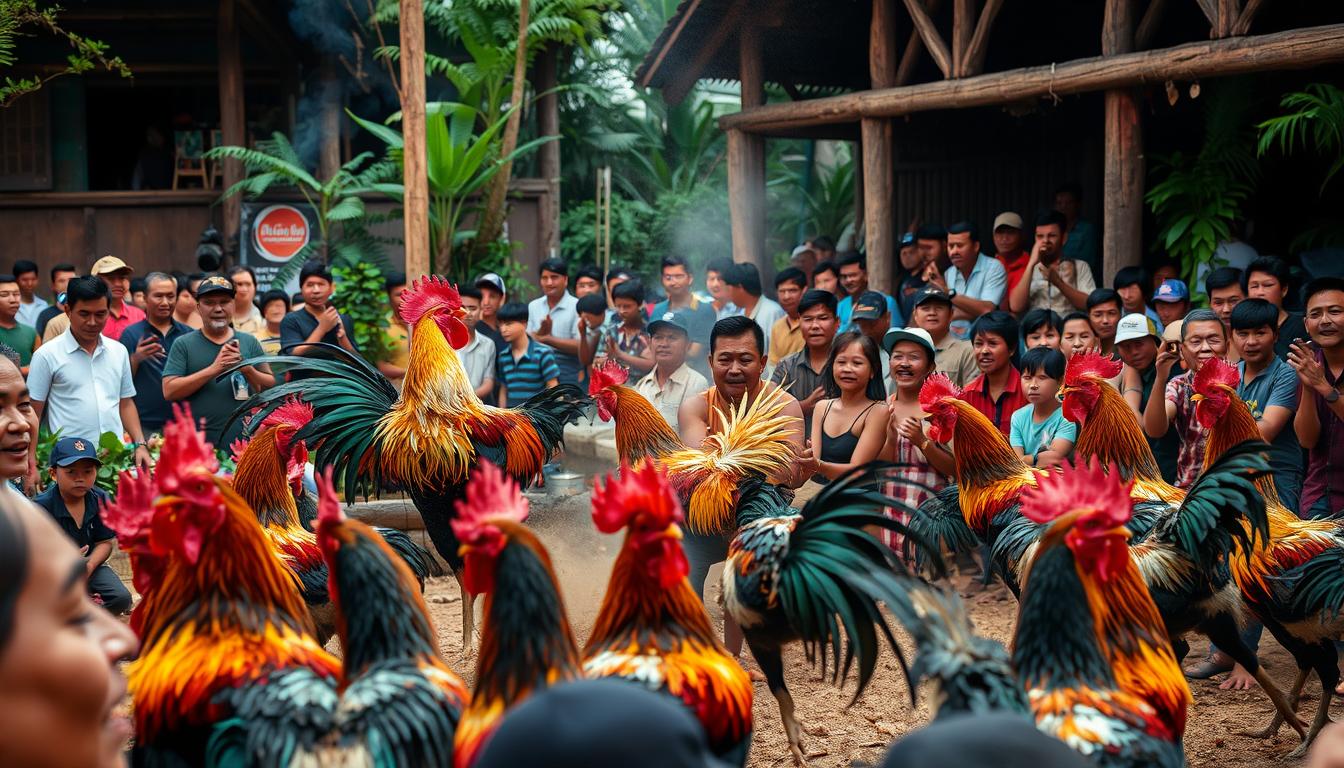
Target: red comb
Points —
{"points": [[184, 445], [236, 449], [936, 387], [639, 495], [131, 513], [490, 494], [1085, 486], [1213, 373], [1092, 364], [294, 413], [328, 503], [427, 293], [610, 374]]}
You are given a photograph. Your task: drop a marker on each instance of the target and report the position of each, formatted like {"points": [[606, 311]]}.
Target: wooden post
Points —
{"points": [[746, 164], [963, 23], [1123, 165], [875, 134], [913, 47], [548, 124], [329, 156], [232, 118], [415, 171]]}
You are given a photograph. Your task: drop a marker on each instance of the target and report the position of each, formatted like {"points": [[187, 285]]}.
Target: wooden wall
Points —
{"points": [[159, 230]]}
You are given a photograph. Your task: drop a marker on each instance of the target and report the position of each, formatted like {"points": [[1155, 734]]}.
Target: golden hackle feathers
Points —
{"points": [[755, 440]]}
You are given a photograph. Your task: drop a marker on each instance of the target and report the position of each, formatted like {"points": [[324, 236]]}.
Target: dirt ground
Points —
{"points": [[837, 735]]}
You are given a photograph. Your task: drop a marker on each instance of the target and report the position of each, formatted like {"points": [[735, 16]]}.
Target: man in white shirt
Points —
{"points": [[975, 282], [478, 356], [81, 380], [671, 381], [744, 287], [553, 319], [30, 304]]}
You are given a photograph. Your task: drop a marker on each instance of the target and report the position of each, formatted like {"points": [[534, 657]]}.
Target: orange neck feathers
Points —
{"points": [[988, 471], [1112, 435], [1236, 426], [641, 431]]}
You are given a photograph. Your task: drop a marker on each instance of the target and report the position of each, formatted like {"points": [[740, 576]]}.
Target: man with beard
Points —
{"points": [[736, 358], [198, 358], [1050, 281], [671, 381]]}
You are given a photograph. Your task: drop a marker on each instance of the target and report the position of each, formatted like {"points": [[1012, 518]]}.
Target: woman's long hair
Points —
{"points": [[876, 389]]}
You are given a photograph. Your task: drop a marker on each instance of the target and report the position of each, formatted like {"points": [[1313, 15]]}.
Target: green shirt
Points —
{"points": [[20, 338], [214, 401]]}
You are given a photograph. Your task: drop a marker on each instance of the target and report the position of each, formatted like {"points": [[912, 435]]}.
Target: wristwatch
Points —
{"points": [[952, 293], [1333, 396]]}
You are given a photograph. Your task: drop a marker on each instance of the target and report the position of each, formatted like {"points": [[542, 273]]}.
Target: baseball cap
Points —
{"points": [[491, 280], [1173, 330], [1171, 291], [214, 284], [670, 320], [870, 306], [109, 264], [1135, 326], [69, 450], [931, 293], [917, 335], [907, 239], [1008, 219]]}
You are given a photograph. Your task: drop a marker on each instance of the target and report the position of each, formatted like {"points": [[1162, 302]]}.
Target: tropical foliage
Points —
{"points": [[1315, 122], [343, 222], [1198, 197], [363, 299], [25, 17]]}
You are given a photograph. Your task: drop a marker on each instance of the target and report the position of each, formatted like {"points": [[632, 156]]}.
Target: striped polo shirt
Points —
{"points": [[527, 375]]}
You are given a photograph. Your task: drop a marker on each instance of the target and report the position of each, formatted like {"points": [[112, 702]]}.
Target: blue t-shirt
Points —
{"points": [[1033, 437], [845, 307], [527, 375], [1276, 385]]}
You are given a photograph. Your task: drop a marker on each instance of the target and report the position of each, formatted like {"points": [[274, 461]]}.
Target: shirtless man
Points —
{"points": [[736, 359]]}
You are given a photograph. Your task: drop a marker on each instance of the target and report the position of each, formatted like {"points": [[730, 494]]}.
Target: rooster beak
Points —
{"points": [[167, 501], [1195, 398], [673, 532]]}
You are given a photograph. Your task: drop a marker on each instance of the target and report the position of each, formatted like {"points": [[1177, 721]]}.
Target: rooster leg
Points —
{"points": [[772, 664], [1222, 629], [1293, 695], [1325, 661], [468, 610]]}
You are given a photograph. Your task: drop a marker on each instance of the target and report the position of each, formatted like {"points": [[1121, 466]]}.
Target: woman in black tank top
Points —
{"points": [[851, 430]]}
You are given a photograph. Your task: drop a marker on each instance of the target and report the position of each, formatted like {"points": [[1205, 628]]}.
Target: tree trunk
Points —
{"points": [[492, 218], [416, 175]]}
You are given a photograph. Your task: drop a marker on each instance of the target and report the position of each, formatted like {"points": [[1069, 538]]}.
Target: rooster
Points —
{"points": [[427, 437], [1294, 583], [753, 443], [269, 477], [396, 702], [220, 614], [526, 642], [651, 628], [809, 575]]}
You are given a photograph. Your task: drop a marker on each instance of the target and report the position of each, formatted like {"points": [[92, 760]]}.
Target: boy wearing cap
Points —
{"points": [[672, 380], [120, 311], [1172, 301], [952, 356], [75, 503], [196, 360], [1009, 251], [493, 293]]}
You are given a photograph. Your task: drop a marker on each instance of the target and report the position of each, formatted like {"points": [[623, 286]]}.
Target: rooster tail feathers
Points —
{"points": [[1210, 520], [421, 561], [974, 674], [836, 573], [551, 409], [939, 521]]}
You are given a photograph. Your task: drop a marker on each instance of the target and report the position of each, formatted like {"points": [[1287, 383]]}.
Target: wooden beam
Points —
{"points": [[974, 62], [1243, 23], [913, 48], [1298, 49], [1152, 18], [415, 171], [963, 24], [1122, 163], [1228, 11], [929, 34], [677, 89], [232, 117], [548, 155], [667, 46]]}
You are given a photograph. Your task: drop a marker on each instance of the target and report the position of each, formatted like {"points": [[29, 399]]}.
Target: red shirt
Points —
{"points": [[130, 315], [1015, 265], [998, 411]]}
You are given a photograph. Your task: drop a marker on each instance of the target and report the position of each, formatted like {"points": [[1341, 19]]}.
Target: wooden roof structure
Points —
{"points": [[876, 60]]}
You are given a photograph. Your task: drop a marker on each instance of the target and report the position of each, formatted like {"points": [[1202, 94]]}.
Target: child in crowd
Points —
{"points": [[592, 311], [626, 340], [1076, 335], [1040, 434], [1042, 328], [997, 391], [274, 307], [523, 367], [74, 502]]}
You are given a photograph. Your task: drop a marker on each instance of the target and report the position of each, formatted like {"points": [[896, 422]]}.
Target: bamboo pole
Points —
{"points": [[415, 171]]}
